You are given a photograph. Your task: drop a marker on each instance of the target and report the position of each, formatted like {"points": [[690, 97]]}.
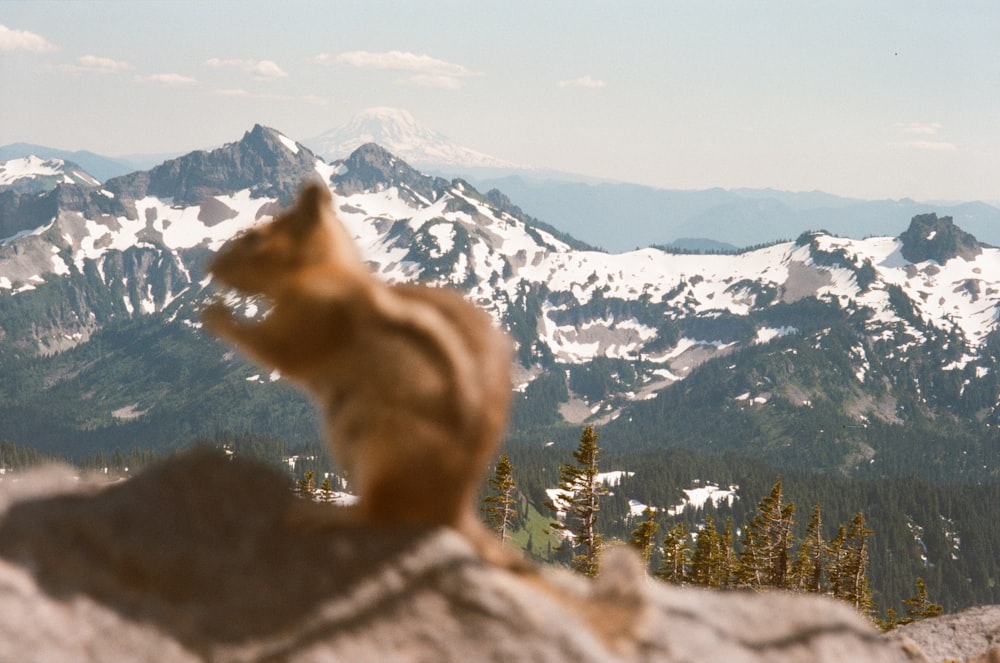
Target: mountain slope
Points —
{"points": [[883, 339]]}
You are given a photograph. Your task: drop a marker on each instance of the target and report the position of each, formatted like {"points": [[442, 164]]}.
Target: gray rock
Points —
{"points": [[195, 560], [972, 634]]}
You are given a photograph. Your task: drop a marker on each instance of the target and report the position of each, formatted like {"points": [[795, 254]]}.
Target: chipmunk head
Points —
{"points": [[306, 236]]}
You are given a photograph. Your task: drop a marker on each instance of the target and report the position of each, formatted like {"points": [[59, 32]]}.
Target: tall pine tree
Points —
{"points": [[706, 564], [807, 571], [767, 542], [581, 493], [500, 505], [853, 574]]}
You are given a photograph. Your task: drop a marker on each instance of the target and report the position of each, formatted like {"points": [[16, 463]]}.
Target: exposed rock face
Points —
{"points": [[261, 161], [371, 167], [194, 560], [932, 238]]}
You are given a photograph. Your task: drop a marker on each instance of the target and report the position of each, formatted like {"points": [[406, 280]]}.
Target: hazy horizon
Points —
{"points": [[880, 100]]}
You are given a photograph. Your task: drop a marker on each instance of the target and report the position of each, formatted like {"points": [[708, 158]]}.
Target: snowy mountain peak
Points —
{"points": [[32, 174], [264, 161], [399, 132], [267, 139], [373, 168]]}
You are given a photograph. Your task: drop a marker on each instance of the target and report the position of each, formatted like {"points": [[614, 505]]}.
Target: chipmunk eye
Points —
{"points": [[253, 239]]}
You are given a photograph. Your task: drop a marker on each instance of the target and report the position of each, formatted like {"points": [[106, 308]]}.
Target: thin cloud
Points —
{"points": [[440, 82], [424, 70], [920, 128], [583, 81], [261, 69], [173, 80], [321, 58], [267, 96], [92, 64], [22, 41], [929, 145]]}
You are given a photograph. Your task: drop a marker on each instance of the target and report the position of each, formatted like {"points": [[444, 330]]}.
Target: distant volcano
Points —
{"points": [[400, 133]]}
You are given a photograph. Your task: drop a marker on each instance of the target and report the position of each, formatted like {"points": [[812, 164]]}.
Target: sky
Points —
{"points": [[868, 99]]}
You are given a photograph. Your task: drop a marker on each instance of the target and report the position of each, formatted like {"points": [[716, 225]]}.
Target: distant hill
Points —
{"points": [[622, 217], [101, 167]]}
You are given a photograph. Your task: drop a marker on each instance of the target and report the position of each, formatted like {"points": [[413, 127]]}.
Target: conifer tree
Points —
{"points": [[767, 542], [582, 492], [854, 571], [707, 563], [837, 558], [306, 486], [644, 536], [921, 606], [326, 490], [728, 559], [890, 621], [500, 507], [676, 556], [807, 570]]}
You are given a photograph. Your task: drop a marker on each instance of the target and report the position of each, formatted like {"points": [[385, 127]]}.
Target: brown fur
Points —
{"points": [[413, 381]]}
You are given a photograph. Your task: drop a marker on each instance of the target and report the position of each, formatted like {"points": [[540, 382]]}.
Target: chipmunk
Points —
{"points": [[412, 381]]}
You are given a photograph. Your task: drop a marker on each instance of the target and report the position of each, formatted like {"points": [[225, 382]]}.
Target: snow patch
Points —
{"points": [[289, 143], [768, 334], [699, 495]]}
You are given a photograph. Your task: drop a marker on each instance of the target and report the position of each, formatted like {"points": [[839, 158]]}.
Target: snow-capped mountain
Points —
{"points": [[33, 174], [860, 334], [401, 134]]}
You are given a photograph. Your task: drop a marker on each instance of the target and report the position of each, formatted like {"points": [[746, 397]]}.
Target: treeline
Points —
{"points": [[919, 530], [768, 556], [293, 460]]}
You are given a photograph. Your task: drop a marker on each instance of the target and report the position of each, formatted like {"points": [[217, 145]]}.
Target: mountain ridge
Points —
{"points": [[600, 337], [616, 216]]}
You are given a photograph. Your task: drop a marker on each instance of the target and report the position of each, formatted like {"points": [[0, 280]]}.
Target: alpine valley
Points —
{"points": [[866, 373]]}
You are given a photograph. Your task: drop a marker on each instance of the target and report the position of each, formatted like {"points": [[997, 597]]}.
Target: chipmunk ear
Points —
{"points": [[315, 195], [311, 206]]}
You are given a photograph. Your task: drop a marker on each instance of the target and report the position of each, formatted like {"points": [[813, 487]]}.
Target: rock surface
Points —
{"points": [[970, 635], [195, 560]]}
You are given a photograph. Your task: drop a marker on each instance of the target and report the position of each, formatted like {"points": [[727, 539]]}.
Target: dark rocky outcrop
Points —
{"points": [[195, 560], [930, 237]]}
